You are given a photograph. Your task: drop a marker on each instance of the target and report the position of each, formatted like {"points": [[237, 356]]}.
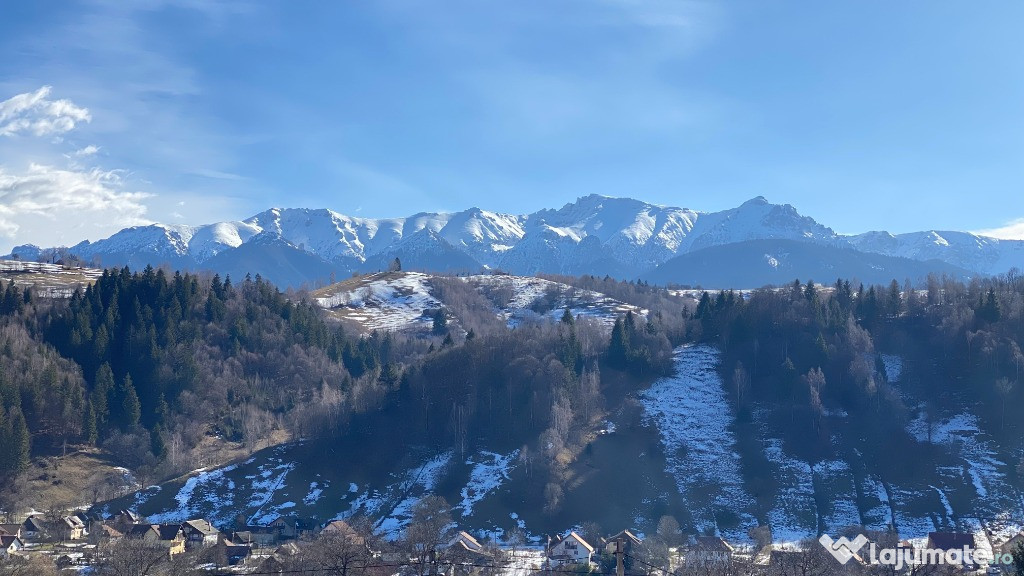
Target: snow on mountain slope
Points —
{"points": [[757, 219], [627, 230], [208, 241], [157, 239], [386, 301], [964, 249], [594, 234]]}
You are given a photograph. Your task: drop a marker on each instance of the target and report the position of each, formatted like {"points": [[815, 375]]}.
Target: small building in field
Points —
{"points": [[572, 549]]}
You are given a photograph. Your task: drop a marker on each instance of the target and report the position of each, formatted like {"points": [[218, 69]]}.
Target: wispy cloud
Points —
{"points": [[34, 113], [1012, 230], [89, 150], [61, 194]]}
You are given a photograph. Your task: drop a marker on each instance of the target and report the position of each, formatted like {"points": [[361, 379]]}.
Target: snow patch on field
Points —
{"points": [[199, 489], [489, 471], [795, 514], [835, 477], [269, 479], [878, 513], [694, 419], [417, 482], [316, 490]]}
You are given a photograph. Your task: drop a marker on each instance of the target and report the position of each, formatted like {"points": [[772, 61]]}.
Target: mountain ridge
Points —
{"points": [[595, 234]]}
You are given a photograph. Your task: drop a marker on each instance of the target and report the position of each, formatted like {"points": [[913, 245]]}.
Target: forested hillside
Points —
{"points": [[157, 370], [153, 368]]}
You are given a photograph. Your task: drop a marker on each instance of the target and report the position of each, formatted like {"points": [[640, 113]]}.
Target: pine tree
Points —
{"points": [[567, 317], [20, 442], [618, 349], [440, 322], [131, 410], [156, 442], [89, 431], [103, 389]]}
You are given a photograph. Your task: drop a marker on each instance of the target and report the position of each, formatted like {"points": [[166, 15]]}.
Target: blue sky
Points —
{"points": [[864, 115]]}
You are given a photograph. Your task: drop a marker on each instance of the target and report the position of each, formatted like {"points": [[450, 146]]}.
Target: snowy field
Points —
{"points": [[49, 280], [391, 302], [489, 470], [529, 293], [694, 418]]}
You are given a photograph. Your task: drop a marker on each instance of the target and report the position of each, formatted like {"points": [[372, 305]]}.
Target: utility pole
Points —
{"points": [[620, 566]]}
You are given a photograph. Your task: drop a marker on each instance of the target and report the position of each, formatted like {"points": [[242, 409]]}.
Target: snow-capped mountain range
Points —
{"points": [[595, 234]]}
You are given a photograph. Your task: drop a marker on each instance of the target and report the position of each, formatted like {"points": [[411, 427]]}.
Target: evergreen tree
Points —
{"points": [[89, 429], [156, 442], [103, 389], [20, 443], [440, 322], [618, 349], [567, 317], [131, 409]]}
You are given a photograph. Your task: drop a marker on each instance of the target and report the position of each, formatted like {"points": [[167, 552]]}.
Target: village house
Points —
{"points": [[708, 550], [630, 542], [71, 528], [1011, 545], [173, 537], [234, 554], [341, 529], [10, 530], [259, 536], [290, 527], [572, 549], [10, 545], [33, 528], [199, 532], [169, 535], [104, 532], [464, 548], [125, 518]]}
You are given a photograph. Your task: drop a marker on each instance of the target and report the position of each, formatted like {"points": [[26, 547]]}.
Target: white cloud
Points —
{"points": [[34, 113], [1012, 230], [67, 195], [89, 150]]}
